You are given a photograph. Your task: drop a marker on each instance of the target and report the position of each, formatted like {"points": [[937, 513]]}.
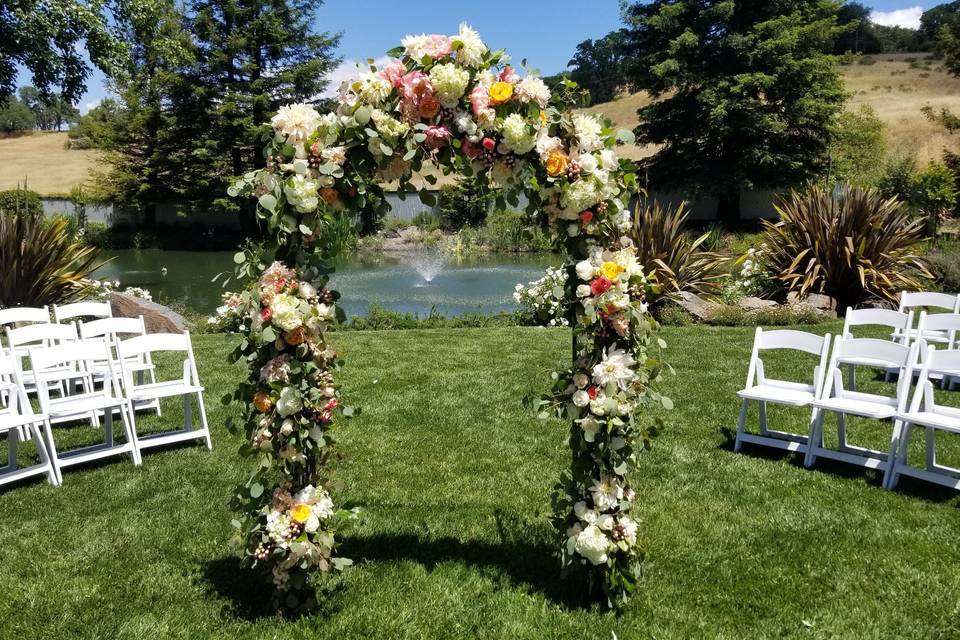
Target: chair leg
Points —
{"points": [[892, 456], [931, 443], [52, 451], [842, 431], [42, 451], [763, 419], [203, 421], [853, 377], [901, 456], [13, 437], [815, 440], [741, 425], [130, 428]]}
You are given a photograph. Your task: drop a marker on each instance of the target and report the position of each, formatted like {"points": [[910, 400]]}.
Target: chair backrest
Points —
{"points": [[787, 339], [897, 320], [914, 299], [947, 322], [17, 315], [16, 399], [41, 334], [112, 327], [78, 358], [86, 309], [871, 352], [142, 347], [934, 361]]}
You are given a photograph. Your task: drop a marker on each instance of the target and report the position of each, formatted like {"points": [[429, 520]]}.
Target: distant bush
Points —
{"points": [[867, 60], [945, 266], [672, 315], [426, 221], [857, 146], [896, 177], [934, 194], [98, 234], [734, 316], [21, 201], [380, 319], [464, 204]]}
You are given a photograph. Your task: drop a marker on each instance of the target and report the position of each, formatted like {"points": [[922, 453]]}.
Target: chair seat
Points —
{"points": [[931, 419], [794, 394], [82, 403], [930, 335], [165, 389], [13, 420], [131, 364], [877, 410]]}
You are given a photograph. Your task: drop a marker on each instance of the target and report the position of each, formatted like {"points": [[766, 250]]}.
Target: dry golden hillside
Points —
{"points": [[44, 162]]}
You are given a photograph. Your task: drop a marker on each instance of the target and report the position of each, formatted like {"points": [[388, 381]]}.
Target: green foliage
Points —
{"points": [[509, 231], [21, 201], [867, 61], [464, 203], [55, 40], [381, 319], [782, 316], [857, 148], [854, 247], [672, 315], [666, 251], [50, 112], [40, 262], [98, 234], [934, 194], [98, 128], [896, 177], [744, 93], [598, 66], [15, 117], [944, 264], [426, 221]]}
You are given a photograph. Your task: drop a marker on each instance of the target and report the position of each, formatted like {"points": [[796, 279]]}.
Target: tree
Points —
{"points": [[745, 93], [54, 39], [933, 21], [597, 66], [253, 56], [949, 45], [51, 111], [862, 35], [15, 117]]}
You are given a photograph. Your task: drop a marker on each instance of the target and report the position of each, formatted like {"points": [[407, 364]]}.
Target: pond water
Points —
{"points": [[412, 284]]}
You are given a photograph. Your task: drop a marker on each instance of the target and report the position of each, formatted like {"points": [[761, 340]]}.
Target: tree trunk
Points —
{"points": [[728, 206]]}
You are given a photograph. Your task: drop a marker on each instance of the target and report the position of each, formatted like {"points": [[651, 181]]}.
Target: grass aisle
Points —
{"points": [[454, 477]]}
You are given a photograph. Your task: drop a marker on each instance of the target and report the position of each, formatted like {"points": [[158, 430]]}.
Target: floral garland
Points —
{"points": [[452, 104]]}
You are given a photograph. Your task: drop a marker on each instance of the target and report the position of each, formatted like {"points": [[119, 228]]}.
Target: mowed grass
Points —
{"points": [[453, 475], [44, 163]]}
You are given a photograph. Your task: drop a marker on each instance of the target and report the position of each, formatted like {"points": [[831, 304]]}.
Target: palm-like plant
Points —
{"points": [[853, 246], [666, 250], [40, 263]]}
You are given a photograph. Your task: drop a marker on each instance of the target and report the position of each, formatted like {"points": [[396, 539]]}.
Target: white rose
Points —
{"points": [[580, 398], [590, 428], [581, 380], [287, 427], [587, 515], [289, 402], [307, 290], [593, 544], [585, 270], [583, 291], [285, 310], [588, 163]]}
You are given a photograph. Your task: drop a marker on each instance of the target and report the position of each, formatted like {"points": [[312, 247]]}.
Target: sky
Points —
{"points": [[544, 32]]}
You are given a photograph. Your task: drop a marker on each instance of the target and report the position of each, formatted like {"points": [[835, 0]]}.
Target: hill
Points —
{"points": [[43, 160], [896, 86]]}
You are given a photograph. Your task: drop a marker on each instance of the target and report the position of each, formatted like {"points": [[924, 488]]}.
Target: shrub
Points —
{"points": [[542, 302], [734, 316], [665, 250], [896, 178], [852, 247], [867, 60], [21, 201], [673, 315], [512, 231], [98, 234], [464, 203], [857, 146], [426, 221], [40, 263], [934, 194]]}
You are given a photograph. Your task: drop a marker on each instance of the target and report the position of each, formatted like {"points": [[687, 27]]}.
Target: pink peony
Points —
{"points": [[415, 85], [479, 100], [393, 73], [437, 136], [509, 75], [438, 46]]}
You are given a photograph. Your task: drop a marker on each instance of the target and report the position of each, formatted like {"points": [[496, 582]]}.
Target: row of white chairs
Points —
{"points": [[88, 371], [906, 409], [19, 316]]}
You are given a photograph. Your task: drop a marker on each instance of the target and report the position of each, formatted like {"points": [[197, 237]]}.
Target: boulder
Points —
{"points": [[824, 304], [156, 317], [696, 306], [755, 304]]}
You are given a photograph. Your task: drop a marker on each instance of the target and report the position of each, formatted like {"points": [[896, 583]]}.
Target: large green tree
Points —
{"points": [[15, 117], [253, 56], [597, 66], [51, 111], [745, 93], [58, 40]]}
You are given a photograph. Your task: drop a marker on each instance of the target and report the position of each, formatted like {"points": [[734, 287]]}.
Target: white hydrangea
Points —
{"points": [[277, 525], [465, 123], [285, 312], [533, 89], [450, 83], [301, 192], [389, 128], [372, 89], [295, 122], [471, 49], [593, 544], [289, 402], [580, 195], [518, 136], [588, 129]]}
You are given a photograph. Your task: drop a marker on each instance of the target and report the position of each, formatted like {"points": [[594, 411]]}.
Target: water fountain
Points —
{"points": [[428, 265]]}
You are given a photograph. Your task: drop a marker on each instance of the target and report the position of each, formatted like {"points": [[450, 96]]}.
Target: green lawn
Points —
{"points": [[453, 475]]}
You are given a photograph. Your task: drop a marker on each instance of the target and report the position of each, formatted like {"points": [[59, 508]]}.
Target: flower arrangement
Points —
{"points": [[103, 288], [751, 277], [544, 302], [451, 103], [230, 316]]}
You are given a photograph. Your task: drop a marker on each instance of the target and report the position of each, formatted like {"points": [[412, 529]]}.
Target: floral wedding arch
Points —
{"points": [[452, 104]]}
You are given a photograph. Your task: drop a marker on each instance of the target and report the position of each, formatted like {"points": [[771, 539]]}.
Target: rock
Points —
{"points": [[696, 306], [156, 317], [754, 304], [824, 304]]}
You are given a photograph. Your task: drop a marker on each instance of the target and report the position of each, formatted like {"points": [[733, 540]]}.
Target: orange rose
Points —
{"points": [[329, 195], [557, 163], [295, 336], [262, 401], [429, 106], [500, 92]]}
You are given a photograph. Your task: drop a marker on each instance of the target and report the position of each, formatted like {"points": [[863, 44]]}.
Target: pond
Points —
{"points": [[412, 284]]}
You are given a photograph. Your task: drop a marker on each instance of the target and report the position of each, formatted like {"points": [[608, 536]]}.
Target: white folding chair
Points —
{"points": [[113, 329], [946, 324], [14, 316], [899, 321], [20, 339], [764, 390], [186, 386], [914, 300], [881, 354], [21, 424], [925, 413], [81, 357], [87, 309]]}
